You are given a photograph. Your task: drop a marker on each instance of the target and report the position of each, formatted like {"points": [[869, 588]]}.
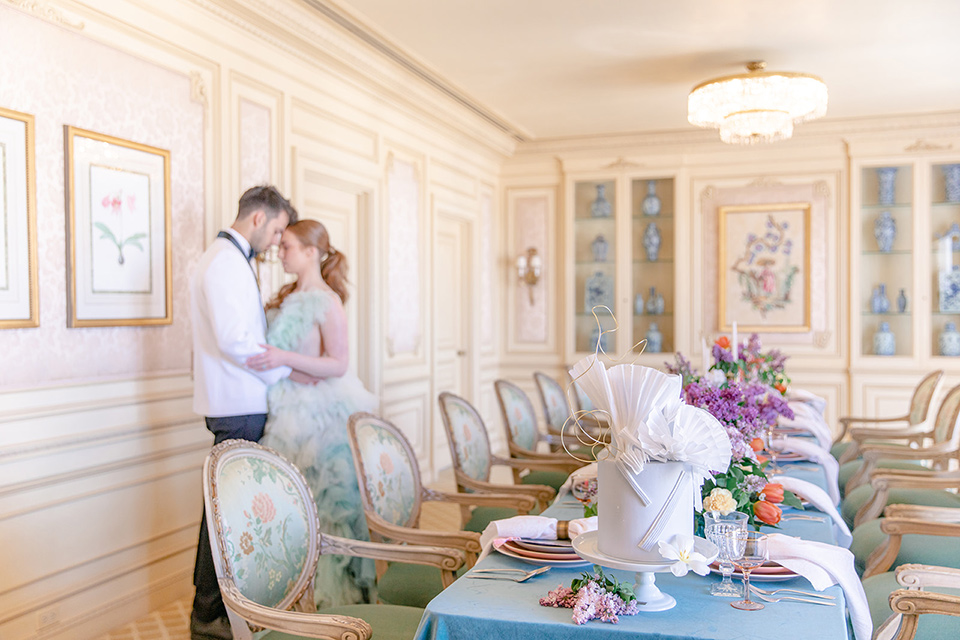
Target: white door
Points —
{"points": [[453, 318]]}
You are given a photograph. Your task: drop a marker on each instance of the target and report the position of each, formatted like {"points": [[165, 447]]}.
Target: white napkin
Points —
{"points": [[530, 527], [819, 499], [824, 565], [802, 395], [812, 452], [808, 419]]}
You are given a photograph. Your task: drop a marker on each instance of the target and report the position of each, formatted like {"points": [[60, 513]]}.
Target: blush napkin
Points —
{"points": [[529, 527], [825, 565], [807, 419], [819, 499], [814, 453]]}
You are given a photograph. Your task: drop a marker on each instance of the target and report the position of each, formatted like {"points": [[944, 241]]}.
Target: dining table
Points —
{"points": [[474, 609]]}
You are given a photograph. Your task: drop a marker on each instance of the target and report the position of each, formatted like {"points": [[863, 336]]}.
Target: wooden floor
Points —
{"points": [[172, 622]]}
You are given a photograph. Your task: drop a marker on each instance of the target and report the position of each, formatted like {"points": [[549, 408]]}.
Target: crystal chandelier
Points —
{"points": [[758, 106]]}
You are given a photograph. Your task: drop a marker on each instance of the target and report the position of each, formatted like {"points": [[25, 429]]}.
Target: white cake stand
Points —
{"points": [[649, 597]]}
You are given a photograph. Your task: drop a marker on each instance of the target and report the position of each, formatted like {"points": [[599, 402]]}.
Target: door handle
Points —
{"points": [[461, 352]]}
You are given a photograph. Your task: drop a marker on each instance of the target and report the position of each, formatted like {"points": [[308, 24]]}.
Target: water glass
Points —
{"points": [[750, 551], [772, 469], [718, 527]]}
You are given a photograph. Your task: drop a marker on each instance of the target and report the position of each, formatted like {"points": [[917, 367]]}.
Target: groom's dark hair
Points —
{"points": [[265, 197]]}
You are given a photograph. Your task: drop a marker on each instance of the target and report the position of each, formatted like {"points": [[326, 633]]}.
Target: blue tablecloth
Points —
{"points": [[503, 610]]}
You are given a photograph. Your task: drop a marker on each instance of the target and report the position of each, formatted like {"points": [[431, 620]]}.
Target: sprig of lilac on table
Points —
{"points": [[594, 597]]}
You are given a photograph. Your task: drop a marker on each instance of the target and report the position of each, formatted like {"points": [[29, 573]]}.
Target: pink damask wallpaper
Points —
{"points": [[531, 231], [62, 78]]}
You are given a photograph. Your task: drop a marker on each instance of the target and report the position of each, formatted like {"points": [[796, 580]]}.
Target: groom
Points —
{"points": [[228, 327]]}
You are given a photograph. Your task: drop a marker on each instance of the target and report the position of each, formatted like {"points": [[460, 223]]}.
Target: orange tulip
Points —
{"points": [[767, 513], [773, 492], [723, 342], [782, 388], [757, 444]]}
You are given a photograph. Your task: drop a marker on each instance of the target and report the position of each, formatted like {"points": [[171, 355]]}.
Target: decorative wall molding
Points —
{"points": [[46, 11], [924, 145], [198, 89], [621, 164], [765, 181], [821, 339]]}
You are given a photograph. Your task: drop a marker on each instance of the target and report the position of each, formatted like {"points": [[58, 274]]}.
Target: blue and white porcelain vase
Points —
{"points": [[599, 291], [638, 305], [651, 204], [884, 342], [598, 340], [885, 231], [651, 242], [655, 302], [878, 301], [601, 206], [599, 247], [902, 301], [654, 339], [887, 185], [951, 180], [949, 340]]}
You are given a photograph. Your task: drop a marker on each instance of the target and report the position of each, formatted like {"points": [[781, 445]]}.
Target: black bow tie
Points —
{"points": [[249, 254]]}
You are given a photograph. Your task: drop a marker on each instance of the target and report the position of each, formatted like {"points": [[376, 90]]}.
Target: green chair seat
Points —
{"points": [[482, 516], [931, 626], [917, 549], [847, 469], [411, 585], [924, 497], [389, 622], [549, 478], [839, 449]]}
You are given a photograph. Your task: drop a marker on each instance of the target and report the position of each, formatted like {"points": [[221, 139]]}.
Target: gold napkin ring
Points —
{"points": [[562, 531]]}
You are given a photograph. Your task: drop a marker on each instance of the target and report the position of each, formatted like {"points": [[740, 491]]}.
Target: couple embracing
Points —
{"points": [[290, 357]]}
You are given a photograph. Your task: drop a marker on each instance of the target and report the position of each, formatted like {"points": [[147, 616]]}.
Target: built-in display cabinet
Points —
{"points": [[905, 232], [622, 239]]}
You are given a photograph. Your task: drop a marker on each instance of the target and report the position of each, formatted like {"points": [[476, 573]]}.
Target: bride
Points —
{"points": [[307, 421]]}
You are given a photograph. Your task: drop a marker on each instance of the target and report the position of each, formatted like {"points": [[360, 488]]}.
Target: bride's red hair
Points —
{"points": [[333, 266]]}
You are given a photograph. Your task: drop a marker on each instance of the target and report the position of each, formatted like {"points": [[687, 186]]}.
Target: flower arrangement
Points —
{"points": [[746, 394], [594, 596]]}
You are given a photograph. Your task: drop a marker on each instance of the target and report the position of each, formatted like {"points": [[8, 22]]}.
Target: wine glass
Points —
{"points": [[749, 550], [717, 528], [772, 469]]}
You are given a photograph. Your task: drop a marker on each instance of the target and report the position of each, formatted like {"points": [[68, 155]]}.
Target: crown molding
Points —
{"points": [[318, 33], [46, 11]]}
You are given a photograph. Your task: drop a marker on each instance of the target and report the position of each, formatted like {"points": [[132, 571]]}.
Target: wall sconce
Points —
{"points": [[528, 269]]}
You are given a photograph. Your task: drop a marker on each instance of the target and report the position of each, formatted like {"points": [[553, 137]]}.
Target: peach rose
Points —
{"points": [[757, 444], [723, 342]]}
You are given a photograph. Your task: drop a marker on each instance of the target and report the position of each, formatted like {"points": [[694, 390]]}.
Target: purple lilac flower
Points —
{"points": [[721, 355], [754, 483]]}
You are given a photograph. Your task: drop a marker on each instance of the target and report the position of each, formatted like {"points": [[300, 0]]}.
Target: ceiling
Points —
{"points": [[559, 68]]}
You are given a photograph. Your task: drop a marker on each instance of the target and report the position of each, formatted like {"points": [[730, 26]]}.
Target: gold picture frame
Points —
{"points": [[119, 237], [19, 288], [764, 260]]}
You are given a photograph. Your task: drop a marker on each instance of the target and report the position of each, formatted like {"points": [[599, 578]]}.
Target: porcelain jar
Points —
{"points": [[951, 179], [654, 339], [885, 231], [902, 301], [878, 301], [884, 342], [651, 204], [887, 185], [599, 247], [601, 206], [949, 340], [651, 242]]}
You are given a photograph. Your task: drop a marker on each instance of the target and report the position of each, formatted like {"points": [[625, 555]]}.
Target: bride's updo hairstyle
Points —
{"points": [[333, 264]]}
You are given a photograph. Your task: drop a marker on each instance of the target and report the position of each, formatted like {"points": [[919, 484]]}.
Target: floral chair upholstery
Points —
{"points": [[265, 541], [472, 459], [911, 428], [554, 401], [393, 494]]}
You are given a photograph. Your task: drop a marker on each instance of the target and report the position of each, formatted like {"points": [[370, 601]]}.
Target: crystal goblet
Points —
{"points": [[749, 552], [772, 469], [717, 527]]}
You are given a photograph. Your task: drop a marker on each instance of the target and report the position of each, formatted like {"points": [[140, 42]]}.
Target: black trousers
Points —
{"points": [[207, 603]]}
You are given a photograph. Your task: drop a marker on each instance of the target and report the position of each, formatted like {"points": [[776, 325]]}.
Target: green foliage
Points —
{"points": [[590, 510], [608, 583]]}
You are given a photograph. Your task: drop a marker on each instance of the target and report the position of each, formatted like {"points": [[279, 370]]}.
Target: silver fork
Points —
{"points": [[773, 592], [522, 578], [825, 603]]}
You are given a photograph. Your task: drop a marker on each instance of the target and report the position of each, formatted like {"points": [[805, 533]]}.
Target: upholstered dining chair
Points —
{"points": [[911, 428], [393, 494], [900, 486], [916, 602], [907, 534], [585, 430], [265, 540], [524, 438], [473, 459], [943, 448]]}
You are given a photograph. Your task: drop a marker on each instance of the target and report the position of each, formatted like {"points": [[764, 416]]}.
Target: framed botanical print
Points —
{"points": [[19, 306], [764, 267], [118, 231]]}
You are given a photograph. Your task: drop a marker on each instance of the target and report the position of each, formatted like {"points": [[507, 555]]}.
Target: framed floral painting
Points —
{"points": [[764, 268], [19, 307], [118, 231]]}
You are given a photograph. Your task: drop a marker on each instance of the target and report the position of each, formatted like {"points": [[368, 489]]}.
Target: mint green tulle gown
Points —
{"points": [[307, 424]]}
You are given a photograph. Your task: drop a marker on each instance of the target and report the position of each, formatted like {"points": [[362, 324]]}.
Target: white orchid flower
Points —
{"points": [[680, 550]]}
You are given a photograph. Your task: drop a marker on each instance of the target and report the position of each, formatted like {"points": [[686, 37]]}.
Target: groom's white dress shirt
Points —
{"points": [[228, 327]]}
